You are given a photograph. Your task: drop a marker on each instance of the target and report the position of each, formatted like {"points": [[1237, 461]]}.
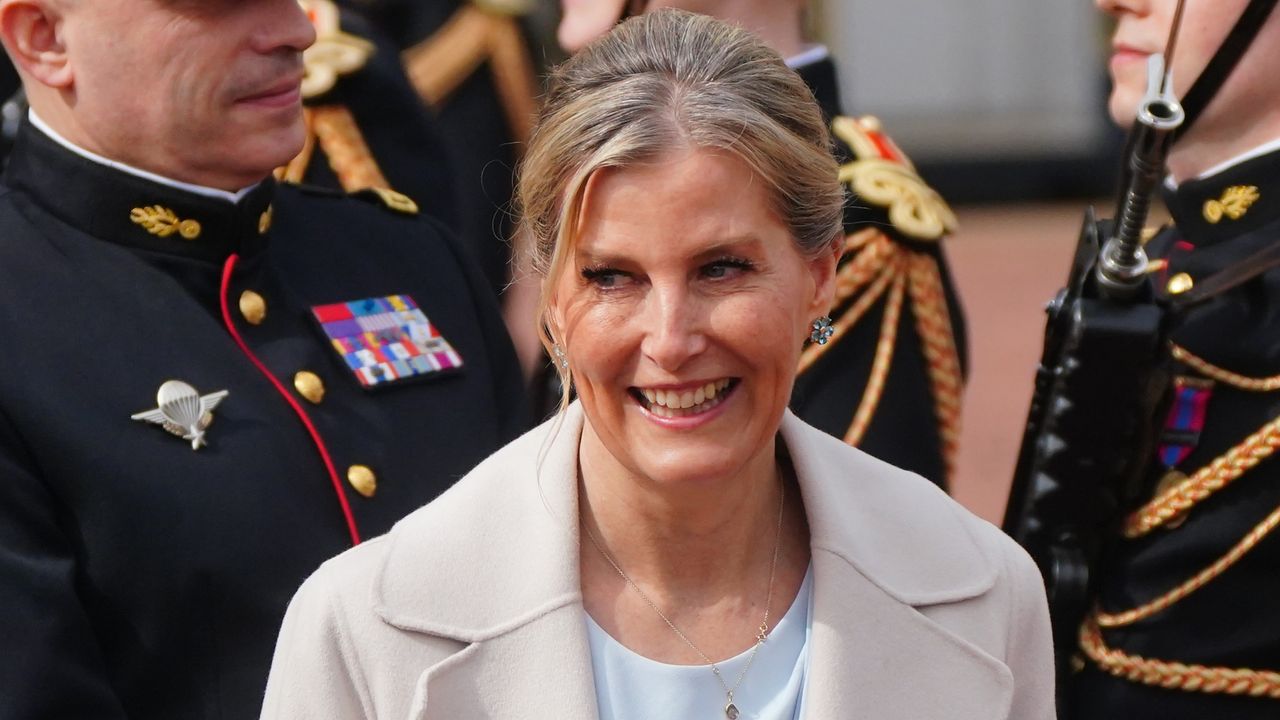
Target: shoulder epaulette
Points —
{"points": [[335, 52], [389, 199], [880, 174]]}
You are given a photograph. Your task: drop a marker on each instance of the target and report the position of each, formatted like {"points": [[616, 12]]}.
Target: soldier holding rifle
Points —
{"points": [[1157, 539]]}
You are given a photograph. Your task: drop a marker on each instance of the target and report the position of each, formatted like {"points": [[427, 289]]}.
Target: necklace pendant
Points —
{"points": [[731, 711]]}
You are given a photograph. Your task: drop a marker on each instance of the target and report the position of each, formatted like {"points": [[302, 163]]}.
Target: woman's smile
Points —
{"points": [[687, 402]]}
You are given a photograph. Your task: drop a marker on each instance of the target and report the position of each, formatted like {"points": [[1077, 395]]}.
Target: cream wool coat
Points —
{"points": [[471, 607]]}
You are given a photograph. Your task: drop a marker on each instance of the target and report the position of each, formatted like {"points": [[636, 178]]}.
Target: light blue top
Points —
{"points": [[633, 687]]}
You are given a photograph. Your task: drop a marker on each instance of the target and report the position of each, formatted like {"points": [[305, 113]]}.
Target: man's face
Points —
{"points": [[1142, 29], [205, 91]]}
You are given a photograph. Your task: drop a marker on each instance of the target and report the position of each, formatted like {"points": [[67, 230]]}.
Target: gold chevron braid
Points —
{"points": [[1199, 580], [884, 274], [864, 263], [883, 358], [933, 324], [349, 155], [1224, 470], [1175, 675], [1235, 380]]}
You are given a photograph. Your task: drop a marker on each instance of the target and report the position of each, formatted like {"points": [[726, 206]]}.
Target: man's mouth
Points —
{"points": [[285, 92], [686, 400]]}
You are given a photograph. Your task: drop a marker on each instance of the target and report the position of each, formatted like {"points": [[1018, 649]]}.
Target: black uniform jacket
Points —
{"points": [[1232, 621], [914, 422], [138, 577], [403, 138], [482, 144]]}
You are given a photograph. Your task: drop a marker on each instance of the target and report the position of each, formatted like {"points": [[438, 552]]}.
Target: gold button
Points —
{"points": [[309, 385], [252, 307], [1180, 283], [363, 480], [189, 229], [264, 221]]}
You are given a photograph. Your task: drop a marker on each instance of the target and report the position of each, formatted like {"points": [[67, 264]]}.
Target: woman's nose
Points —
{"points": [[674, 328]]}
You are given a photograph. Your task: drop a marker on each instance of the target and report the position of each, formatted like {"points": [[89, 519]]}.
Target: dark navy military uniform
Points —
{"points": [[469, 62], [1228, 353], [370, 128], [903, 408], [141, 578]]}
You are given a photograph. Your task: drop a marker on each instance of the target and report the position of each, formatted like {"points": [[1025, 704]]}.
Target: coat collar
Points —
{"points": [[515, 520]]}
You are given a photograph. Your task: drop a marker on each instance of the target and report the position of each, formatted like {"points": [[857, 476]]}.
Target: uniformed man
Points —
{"points": [[890, 377], [211, 382], [1186, 623]]}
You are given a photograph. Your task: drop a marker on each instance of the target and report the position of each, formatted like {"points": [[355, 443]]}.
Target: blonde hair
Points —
{"points": [[658, 82]]}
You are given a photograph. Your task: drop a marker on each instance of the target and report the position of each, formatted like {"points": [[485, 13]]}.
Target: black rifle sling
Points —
{"points": [[1232, 276], [1224, 61]]}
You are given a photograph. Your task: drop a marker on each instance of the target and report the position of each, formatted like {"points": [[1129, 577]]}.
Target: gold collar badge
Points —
{"points": [[163, 222], [1234, 203], [334, 54]]}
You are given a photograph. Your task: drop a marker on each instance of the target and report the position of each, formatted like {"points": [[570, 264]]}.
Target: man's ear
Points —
{"points": [[31, 31]]}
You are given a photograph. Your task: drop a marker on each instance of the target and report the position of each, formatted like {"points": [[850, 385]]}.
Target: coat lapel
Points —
{"points": [[517, 614], [874, 570], [539, 670], [868, 650]]}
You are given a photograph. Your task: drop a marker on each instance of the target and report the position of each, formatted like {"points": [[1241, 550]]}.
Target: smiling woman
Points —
{"points": [[676, 543]]}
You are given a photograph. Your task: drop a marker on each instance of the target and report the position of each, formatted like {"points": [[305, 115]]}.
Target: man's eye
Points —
{"points": [[604, 277]]}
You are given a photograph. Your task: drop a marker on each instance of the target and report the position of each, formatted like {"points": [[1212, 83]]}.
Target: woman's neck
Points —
{"points": [[685, 536]]}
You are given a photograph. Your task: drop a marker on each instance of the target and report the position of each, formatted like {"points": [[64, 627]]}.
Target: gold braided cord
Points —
{"points": [[1175, 675], [864, 262], [1199, 580], [850, 317], [933, 323], [883, 358], [1205, 482], [296, 169], [1235, 380], [349, 155]]}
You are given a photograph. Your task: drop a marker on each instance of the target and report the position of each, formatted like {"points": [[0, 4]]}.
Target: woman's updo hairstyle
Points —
{"points": [[657, 83]]}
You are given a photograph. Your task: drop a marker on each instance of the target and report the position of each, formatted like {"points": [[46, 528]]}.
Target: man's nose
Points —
{"points": [[287, 26], [675, 326]]}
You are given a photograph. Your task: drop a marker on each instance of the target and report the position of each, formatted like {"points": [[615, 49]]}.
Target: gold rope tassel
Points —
{"points": [[1174, 675], [933, 323], [296, 170], [349, 156], [1205, 482], [1235, 380], [1199, 580], [883, 358], [438, 65]]}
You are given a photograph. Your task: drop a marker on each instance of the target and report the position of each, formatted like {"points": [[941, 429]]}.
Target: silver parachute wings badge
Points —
{"points": [[183, 411]]}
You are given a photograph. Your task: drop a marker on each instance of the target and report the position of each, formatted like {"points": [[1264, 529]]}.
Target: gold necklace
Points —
{"points": [[730, 709]]}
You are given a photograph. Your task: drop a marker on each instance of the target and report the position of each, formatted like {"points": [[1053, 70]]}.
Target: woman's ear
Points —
{"points": [[32, 33], [823, 270]]}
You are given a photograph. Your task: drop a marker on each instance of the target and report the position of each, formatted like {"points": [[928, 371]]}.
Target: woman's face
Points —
{"points": [[683, 312]]}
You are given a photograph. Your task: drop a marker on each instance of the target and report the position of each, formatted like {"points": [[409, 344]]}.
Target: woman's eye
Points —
{"points": [[604, 277], [725, 268]]}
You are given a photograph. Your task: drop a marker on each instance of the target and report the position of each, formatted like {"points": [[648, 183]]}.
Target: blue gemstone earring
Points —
{"points": [[821, 330]]}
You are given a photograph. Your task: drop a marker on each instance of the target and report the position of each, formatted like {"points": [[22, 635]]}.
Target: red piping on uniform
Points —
{"points": [[227, 270]]}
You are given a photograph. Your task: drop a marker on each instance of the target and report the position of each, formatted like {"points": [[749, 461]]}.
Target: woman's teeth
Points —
{"points": [[679, 403]]}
